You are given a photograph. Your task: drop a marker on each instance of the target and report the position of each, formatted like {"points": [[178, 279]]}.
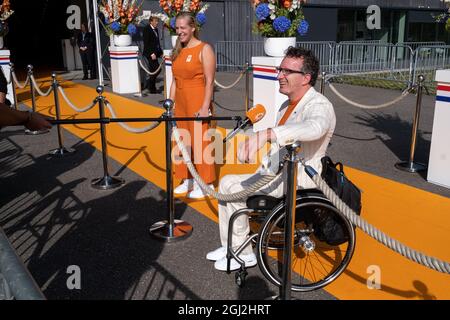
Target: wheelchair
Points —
{"points": [[317, 260]]}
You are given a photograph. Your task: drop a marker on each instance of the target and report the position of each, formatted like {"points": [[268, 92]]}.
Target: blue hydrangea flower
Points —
{"points": [[201, 18], [115, 26], [303, 28], [131, 29], [172, 23], [262, 11], [281, 24]]}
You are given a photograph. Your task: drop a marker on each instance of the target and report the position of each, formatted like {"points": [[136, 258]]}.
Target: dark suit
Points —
{"points": [[151, 46], [87, 56]]}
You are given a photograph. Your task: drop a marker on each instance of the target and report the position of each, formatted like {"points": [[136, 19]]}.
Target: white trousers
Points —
{"points": [[241, 228]]}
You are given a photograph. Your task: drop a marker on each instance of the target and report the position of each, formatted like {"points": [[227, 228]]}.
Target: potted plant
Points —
{"points": [[171, 8], [121, 19], [279, 22], [5, 13], [444, 17]]}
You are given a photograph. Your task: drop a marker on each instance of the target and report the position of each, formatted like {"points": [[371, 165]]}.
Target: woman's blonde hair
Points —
{"points": [[192, 23]]}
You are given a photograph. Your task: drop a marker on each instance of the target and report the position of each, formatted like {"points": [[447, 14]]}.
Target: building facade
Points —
{"points": [[345, 20]]}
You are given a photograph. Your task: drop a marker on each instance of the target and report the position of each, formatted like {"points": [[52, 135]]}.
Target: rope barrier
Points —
{"points": [[128, 128], [147, 71], [363, 106], [232, 197], [231, 85], [36, 87], [73, 106], [20, 86], [395, 245]]}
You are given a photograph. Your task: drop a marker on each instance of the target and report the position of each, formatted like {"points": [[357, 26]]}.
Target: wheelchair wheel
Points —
{"points": [[315, 262]]}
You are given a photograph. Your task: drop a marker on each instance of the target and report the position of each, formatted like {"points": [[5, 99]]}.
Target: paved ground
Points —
{"points": [[54, 219]]}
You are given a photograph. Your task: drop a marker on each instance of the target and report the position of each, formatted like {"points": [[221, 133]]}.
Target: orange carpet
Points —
{"points": [[415, 217]]}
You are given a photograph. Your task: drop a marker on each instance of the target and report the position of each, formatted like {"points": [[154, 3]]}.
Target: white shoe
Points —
{"points": [[217, 254], [249, 260], [185, 187], [198, 193]]}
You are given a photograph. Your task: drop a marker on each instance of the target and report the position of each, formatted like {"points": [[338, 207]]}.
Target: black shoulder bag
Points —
{"points": [[329, 229]]}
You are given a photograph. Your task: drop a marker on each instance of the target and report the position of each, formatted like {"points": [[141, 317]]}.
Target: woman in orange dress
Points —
{"points": [[193, 68]]}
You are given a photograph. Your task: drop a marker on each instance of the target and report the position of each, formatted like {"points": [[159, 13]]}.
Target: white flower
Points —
{"points": [[273, 16], [186, 5], [203, 9]]}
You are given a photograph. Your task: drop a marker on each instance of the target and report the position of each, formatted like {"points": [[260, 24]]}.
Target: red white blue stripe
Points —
{"points": [[167, 61], [123, 55], [4, 60], [443, 92], [265, 73]]}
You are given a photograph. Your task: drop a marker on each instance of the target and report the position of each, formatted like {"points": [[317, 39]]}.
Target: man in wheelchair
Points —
{"points": [[306, 116]]}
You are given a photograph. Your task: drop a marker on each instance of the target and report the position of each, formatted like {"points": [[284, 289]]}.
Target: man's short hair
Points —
{"points": [[310, 62], [153, 18]]}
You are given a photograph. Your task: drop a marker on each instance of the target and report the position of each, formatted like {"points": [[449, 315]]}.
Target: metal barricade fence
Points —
{"points": [[379, 61], [415, 45], [232, 55], [428, 59], [401, 62]]}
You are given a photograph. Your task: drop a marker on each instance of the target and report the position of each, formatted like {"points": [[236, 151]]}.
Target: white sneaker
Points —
{"points": [[198, 193], [185, 187], [249, 260], [217, 254]]}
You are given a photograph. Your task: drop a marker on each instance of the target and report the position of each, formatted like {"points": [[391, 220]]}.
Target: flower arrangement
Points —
{"points": [[172, 8], [5, 13], [121, 16], [279, 18], [444, 17]]}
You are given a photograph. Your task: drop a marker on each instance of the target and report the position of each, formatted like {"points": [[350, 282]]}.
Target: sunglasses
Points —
{"points": [[287, 72]]}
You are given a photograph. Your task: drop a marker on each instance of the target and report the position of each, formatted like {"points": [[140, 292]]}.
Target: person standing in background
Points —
{"points": [[152, 51], [85, 41]]}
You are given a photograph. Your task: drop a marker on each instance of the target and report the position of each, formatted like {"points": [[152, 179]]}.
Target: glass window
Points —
{"points": [[346, 22]]}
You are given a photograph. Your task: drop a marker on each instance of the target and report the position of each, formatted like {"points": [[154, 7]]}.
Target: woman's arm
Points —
{"points": [[209, 69], [173, 90]]}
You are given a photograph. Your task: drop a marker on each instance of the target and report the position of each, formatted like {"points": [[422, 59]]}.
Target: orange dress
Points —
{"points": [[187, 70]]}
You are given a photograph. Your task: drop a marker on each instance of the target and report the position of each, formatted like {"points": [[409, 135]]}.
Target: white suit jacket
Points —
{"points": [[312, 122]]}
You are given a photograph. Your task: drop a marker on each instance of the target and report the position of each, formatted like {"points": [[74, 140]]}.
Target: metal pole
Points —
{"points": [[171, 230], [322, 83], [410, 165], [98, 44], [61, 150], [247, 86], [107, 182], [11, 69], [33, 102], [289, 225], [33, 94], [18, 279]]}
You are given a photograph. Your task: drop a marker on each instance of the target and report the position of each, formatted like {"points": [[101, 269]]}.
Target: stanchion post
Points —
{"points": [[33, 94], [107, 182], [247, 86], [33, 102], [322, 83], [410, 165], [170, 230], [289, 225], [11, 69], [61, 150], [165, 78]]}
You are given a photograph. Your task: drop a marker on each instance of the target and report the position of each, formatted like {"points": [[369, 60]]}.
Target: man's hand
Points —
{"points": [[248, 149], [37, 122], [153, 56]]}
